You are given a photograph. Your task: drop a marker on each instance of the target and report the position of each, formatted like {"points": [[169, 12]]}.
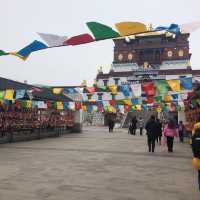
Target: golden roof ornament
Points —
{"points": [[100, 70], [84, 83]]}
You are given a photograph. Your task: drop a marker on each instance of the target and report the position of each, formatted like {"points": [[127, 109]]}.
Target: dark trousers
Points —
{"points": [[181, 136], [141, 128], [151, 144], [133, 131], [170, 141], [110, 128]]}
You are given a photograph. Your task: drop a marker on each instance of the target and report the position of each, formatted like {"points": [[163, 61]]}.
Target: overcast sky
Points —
{"points": [[21, 19]]}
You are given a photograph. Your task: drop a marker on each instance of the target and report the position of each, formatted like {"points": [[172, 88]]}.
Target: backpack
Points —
{"points": [[196, 144]]}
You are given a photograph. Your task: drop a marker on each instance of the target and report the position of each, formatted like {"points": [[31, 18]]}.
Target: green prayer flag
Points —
{"points": [[101, 31], [162, 87], [178, 108], [158, 98], [23, 103], [194, 102], [102, 88], [198, 93], [2, 94], [53, 104], [3, 53]]}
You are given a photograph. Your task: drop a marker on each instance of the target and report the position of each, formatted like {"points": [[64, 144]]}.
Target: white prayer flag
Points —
{"points": [[53, 40], [190, 27], [136, 90]]}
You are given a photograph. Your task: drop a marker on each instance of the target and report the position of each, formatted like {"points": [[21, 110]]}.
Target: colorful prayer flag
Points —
{"points": [[186, 83], [101, 31], [130, 28], [190, 27], [113, 89], [19, 94], [57, 90], [3, 53], [149, 88], [53, 40], [136, 90], [162, 87], [174, 85], [2, 94], [9, 94], [34, 46], [79, 39]]}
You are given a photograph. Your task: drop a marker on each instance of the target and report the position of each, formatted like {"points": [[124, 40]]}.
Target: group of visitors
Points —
{"points": [[134, 124], [155, 129]]}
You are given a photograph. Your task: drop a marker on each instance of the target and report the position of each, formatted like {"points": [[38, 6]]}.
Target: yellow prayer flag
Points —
{"points": [[113, 89], [57, 90], [158, 109], [167, 98], [130, 28], [174, 85], [111, 109], [59, 105], [29, 104], [138, 107], [9, 94], [19, 56], [84, 107], [127, 102]]}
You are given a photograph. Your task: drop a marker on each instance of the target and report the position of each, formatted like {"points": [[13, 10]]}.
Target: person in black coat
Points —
{"points": [[152, 134], [133, 125], [111, 124], [196, 149]]}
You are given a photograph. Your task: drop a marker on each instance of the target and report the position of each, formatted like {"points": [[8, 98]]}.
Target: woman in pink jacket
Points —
{"points": [[170, 133]]}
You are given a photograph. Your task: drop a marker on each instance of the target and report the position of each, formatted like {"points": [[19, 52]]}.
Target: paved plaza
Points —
{"points": [[95, 165]]}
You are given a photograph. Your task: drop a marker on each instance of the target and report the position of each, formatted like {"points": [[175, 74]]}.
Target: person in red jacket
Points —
{"points": [[170, 133]]}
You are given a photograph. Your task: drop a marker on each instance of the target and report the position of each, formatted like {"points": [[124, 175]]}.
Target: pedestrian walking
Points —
{"points": [[111, 125], [151, 128], [130, 127], [141, 125], [196, 152], [134, 125], [170, 133], [159, 131], [181, 129]]}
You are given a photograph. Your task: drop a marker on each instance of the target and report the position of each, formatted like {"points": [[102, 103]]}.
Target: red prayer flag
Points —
{"points": [[127, 107], [49, 104], [91, 89], [78, 105], [79, 39], [150, 99], [149, 88], [112, 102]]}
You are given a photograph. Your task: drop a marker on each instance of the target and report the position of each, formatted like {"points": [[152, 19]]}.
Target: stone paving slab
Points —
{"points": [[95, 165]]}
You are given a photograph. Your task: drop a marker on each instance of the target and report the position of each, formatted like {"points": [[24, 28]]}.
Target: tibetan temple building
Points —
{"points": [[145, 59]]}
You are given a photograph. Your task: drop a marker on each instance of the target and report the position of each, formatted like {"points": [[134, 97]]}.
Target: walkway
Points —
{"points": [[95, 165]]}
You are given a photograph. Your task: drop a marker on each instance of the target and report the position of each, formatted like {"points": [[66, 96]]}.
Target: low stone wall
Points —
{"points": [[17, 136]]}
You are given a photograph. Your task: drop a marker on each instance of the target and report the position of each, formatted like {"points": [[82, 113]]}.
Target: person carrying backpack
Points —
{"points": [[196, 149], [151, 128]]}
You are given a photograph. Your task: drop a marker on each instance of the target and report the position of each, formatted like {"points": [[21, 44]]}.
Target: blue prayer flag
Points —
{"points": [[186, 83], [34, 46], [19, 94]]}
